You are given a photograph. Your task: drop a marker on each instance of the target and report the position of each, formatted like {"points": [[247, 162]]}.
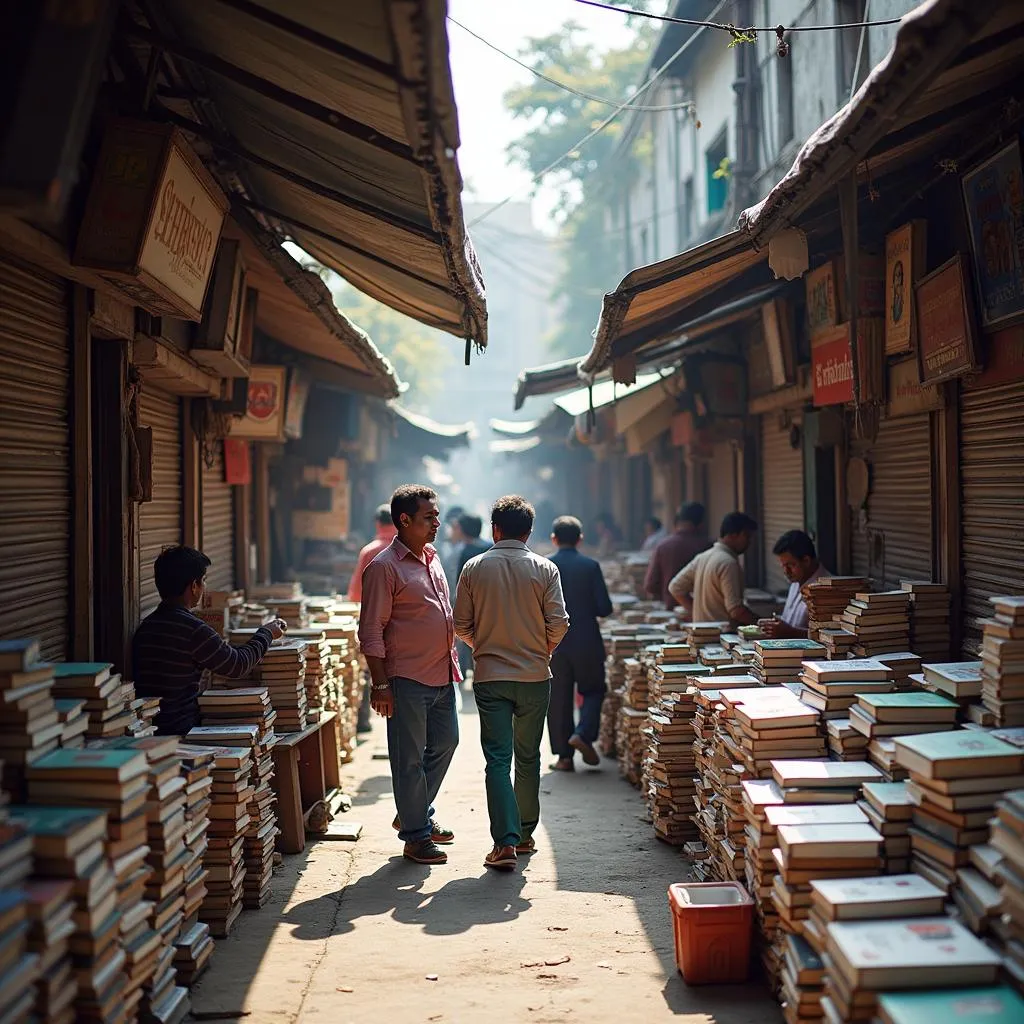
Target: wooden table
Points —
{"points": [[307, 770]]}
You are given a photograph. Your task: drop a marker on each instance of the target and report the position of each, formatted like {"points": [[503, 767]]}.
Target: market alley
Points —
{"points": [[581, 932]]}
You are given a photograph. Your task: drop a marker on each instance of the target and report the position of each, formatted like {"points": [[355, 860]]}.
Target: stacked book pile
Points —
{"points": [[822, 782], [107, 699], [292, 611], [838, 642], [272, 593], [253, 614], [73, 720], [319, 669], [283, 673], [19, 963], [51, 925], [715, 656], [758, 796], [844, 742], [826, 600], [30, 725], [703, 634], [778, 661], [831, 687], [1002, 659], [609, 722], [221, 710], [882, 754], [1007, 843], [902, 714], [115, 781], [192, 951], [669, 767], [196, 764], [802, 977], [956, 779], [229, 821], [881, 622], [637, 689], [903, 665], [144, 710], [991, 1002], [630, 743], [890, 809], [958, 680], [929, 619], [762, 724], [867, 958]]}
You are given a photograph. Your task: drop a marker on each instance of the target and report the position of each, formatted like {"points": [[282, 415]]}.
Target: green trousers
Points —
{"points": [[512, 719]]}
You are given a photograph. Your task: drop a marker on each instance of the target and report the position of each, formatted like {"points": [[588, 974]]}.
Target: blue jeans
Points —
{"points": [[572, 671], [423, 733]]}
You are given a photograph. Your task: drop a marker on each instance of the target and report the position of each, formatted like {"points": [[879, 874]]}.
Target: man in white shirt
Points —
{"points": [[799, 560]]}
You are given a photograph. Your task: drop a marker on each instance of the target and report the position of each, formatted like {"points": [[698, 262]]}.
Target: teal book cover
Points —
{"points": [[997, 1004]]}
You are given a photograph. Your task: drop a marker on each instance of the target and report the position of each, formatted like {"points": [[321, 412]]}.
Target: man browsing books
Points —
{"points": [[799, 560], [172, 647]]}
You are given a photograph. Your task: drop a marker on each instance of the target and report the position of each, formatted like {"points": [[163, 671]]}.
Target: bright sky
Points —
{"points": [[482, 76]]}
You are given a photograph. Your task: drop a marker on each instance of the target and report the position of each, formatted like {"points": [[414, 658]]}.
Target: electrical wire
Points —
{"points": [[685, 105], [604, 124], [736, 30]]}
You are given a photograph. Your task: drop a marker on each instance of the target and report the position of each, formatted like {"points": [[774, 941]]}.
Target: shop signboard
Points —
{"points": [[905, 254], [946, 343], [994, 199], [832, 367], [822, 305], [264, 413], [1004, 360], [153, 219], [237, 462], [907, 395]]}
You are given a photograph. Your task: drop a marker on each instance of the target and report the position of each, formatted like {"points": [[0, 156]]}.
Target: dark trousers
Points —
{"points": [[572, 671], [423, 733], [511, 725]]}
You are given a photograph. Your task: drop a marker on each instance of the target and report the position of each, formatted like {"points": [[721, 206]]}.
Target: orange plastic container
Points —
{"points": [[713, 922]]}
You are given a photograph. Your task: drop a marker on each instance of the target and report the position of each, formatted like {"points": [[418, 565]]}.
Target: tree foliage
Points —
{"points": [[555, 120]]}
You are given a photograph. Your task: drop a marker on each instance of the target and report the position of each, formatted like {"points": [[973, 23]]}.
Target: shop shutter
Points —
{"points": [[160, 519], [722, 488], [35, 459], [782, 495], [992, 493], [897, 541], [218, 523]]}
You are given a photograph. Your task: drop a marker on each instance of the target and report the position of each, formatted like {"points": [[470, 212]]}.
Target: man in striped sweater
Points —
{"points": [[172, 646]]}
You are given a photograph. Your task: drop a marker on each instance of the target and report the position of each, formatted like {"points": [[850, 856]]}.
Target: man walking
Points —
{"points": [[710, 588], [408, 639], [676, 552], [509, 609], [470, 527], [385, 535], [578, 664]]}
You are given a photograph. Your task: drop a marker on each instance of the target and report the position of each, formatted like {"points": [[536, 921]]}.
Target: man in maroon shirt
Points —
{"points": [[676, 552], [407, 636]]}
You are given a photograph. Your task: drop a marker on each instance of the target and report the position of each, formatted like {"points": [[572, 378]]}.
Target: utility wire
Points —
{"points": [[604, 124], [686, 105], [736, 30]]}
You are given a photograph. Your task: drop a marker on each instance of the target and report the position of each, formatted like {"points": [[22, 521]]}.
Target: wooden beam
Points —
{"points": [[82, 638], [261, 497]]}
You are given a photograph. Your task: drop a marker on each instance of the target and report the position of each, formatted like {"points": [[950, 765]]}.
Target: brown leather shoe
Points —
{"points": [[590, 755], [526, 847], [501, 858], [425, 852], [438, 833], [563, 764]]}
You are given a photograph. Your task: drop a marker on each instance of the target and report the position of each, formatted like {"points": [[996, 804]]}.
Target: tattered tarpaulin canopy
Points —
{"points": [[546, 380], [946, 52], [513, 445], [425, 435], [604, 392], [513, 428], [341, 122], [296, 309]]}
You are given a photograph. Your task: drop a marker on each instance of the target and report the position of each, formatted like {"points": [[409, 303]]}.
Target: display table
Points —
{"points": [[307, 771]]}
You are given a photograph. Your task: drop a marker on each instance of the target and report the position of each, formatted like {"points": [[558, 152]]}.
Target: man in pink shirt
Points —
{"points": [[385, 535], [407, 637]]}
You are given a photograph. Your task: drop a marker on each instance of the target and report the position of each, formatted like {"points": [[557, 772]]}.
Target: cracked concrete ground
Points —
{"points": [[581, 932]]}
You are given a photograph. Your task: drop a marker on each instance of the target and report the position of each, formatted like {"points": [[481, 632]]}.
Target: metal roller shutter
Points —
{"points": [[897, 542], [160, 520], [218, 524], [782, 495], [992, 496], [35, 459]]}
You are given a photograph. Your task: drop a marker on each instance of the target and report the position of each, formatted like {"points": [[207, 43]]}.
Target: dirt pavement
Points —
{"points": [[580, 933]]}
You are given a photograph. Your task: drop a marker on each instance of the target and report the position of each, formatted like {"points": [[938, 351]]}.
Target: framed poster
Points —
{"points": [[822, 305], [994, 201], [264, 413], [945, 324], [905, 255]]}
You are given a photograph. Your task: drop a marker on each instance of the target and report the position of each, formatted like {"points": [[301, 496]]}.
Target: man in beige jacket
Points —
{"points": [[509, 609]]}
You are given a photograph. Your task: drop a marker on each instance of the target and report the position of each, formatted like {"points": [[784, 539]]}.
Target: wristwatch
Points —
{"points": [[381, 686]]}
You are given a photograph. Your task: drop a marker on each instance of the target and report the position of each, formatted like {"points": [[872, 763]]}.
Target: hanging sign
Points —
{"points": [[237, 462], [822, 308], [152, 220], [907, 395], [832, 367], [905, 256], [946, 343], [264, 413]]}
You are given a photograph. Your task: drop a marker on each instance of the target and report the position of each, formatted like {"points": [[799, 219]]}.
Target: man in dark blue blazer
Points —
{"points": [[578, 661]]}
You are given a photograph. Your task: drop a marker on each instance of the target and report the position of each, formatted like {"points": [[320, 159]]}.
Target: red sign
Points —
{"points": [[946, 346], [832, 367], [1004, 361], [237, 462]]}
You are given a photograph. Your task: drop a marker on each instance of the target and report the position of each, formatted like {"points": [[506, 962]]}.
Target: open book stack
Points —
{"points": [[283, 673], [762, 723], [826, 600], [890, 809], [929, 618], [902, 714], [1008, 844], [1002, 659], [229, 821], [107, 699], [29, 722], [778, 661], [867, 958], [19, 964], [881, 622], [669, 767], [958, 680], [831, 687], [956, 778]]}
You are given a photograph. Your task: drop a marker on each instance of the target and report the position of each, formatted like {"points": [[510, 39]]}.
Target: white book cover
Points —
{"points": [[805, 835], [888, 794], [852, 668], [884, 889], [815, 814], [812, 772], [761, 792]]}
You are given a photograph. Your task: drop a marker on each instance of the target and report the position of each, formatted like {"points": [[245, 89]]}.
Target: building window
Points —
{"points": [[853, 59], [784, 95], [716, 162]]}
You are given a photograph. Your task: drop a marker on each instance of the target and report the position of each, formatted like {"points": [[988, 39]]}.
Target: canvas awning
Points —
{"points": [[946, 53], [549, 379], [605, 392], [427, 435], [513, 445], [339, 121], [513, 428]]}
